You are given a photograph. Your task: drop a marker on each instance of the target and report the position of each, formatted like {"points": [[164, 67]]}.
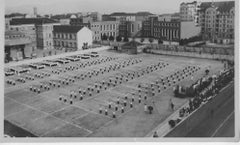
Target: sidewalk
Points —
{"points": [[12, 64], [164, 128]]}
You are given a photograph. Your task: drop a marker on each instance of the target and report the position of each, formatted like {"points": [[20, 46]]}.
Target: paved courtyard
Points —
{"points": [[78, 109]]}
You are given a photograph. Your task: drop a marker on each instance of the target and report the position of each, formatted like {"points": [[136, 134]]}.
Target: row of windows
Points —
{"points": [[21, 28], [65, 44], [109, 34], [14, 36], [166, 24], [167, 33], [108, 27], [65, 36], [48, 43], [96, 38]]}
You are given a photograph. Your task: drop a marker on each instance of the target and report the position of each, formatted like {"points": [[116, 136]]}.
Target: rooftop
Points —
{"points": [[36, 21], [221, 6], [130, 14], [67, 28]]}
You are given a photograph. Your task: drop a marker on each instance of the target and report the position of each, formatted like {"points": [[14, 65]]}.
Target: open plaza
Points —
{"points": [[103, 95]]}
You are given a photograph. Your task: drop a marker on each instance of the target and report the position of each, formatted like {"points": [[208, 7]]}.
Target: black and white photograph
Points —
{"points": [[147, 70]]}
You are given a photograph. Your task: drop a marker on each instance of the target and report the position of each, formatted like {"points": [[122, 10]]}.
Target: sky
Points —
{"points": [[102, 6]]}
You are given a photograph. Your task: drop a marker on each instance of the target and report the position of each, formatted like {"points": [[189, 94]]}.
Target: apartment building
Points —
{"points": [[72, 37], [109, 28], [217, 21]]}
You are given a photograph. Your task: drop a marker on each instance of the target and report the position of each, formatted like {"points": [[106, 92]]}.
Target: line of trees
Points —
{"points": [[192, 39]]}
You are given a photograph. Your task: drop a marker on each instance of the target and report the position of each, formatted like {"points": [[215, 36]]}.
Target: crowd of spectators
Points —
{"points": [[207, 89]]}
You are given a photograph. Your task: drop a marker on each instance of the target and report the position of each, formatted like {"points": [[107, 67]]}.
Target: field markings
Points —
{"points": [[48, 114], [221, 125]]}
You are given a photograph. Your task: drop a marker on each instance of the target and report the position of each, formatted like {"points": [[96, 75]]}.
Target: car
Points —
{"points": [[62, 61], [49, 63], [94, 52], [85, 57], [86, 54], [37, 66], [19, 70], [9, 72], [72, 58]]}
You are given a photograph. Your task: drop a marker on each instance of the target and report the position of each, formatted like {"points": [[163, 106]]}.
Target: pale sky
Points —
{"points": [[102, 6]]}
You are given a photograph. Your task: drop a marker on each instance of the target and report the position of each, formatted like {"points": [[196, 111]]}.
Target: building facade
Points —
{"points": [[15, 46], [190, 11], [130, 28], [96, 16], [109, 28], [80, 22], [217, 21], [72, 37], [29, 30], [44, 30], [172, 31]]}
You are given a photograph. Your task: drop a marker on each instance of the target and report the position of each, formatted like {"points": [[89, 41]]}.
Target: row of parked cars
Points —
{"points": [[49, 63]]}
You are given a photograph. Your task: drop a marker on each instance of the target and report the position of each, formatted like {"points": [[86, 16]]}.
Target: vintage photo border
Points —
{"points": [[144, 139]]}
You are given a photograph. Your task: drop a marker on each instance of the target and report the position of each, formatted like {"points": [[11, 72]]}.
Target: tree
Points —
{"points": [[125, 39], [119, 38], [160, 41], [150, 40], [142, 39], [111, 38], [104, 37]]}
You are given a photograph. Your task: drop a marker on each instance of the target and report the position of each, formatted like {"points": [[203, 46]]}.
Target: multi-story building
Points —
{"points": [[72, 37], [15, 45], [96, 16], [44, 30], [30, 31], [169, 17], [139, 16], [217, 21], [172, 31], [190, 11], [131, 23], [130, 28], [109, 28], [81, 22]]}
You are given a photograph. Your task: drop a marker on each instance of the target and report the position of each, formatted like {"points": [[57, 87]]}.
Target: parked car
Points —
{"points": [[49, 63], [37, 66], [85, 57], [62, 61], [8, 72], [72, 58]]}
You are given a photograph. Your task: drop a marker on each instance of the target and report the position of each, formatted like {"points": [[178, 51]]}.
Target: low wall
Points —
{"points": [[194, 54], [186, 125]]}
